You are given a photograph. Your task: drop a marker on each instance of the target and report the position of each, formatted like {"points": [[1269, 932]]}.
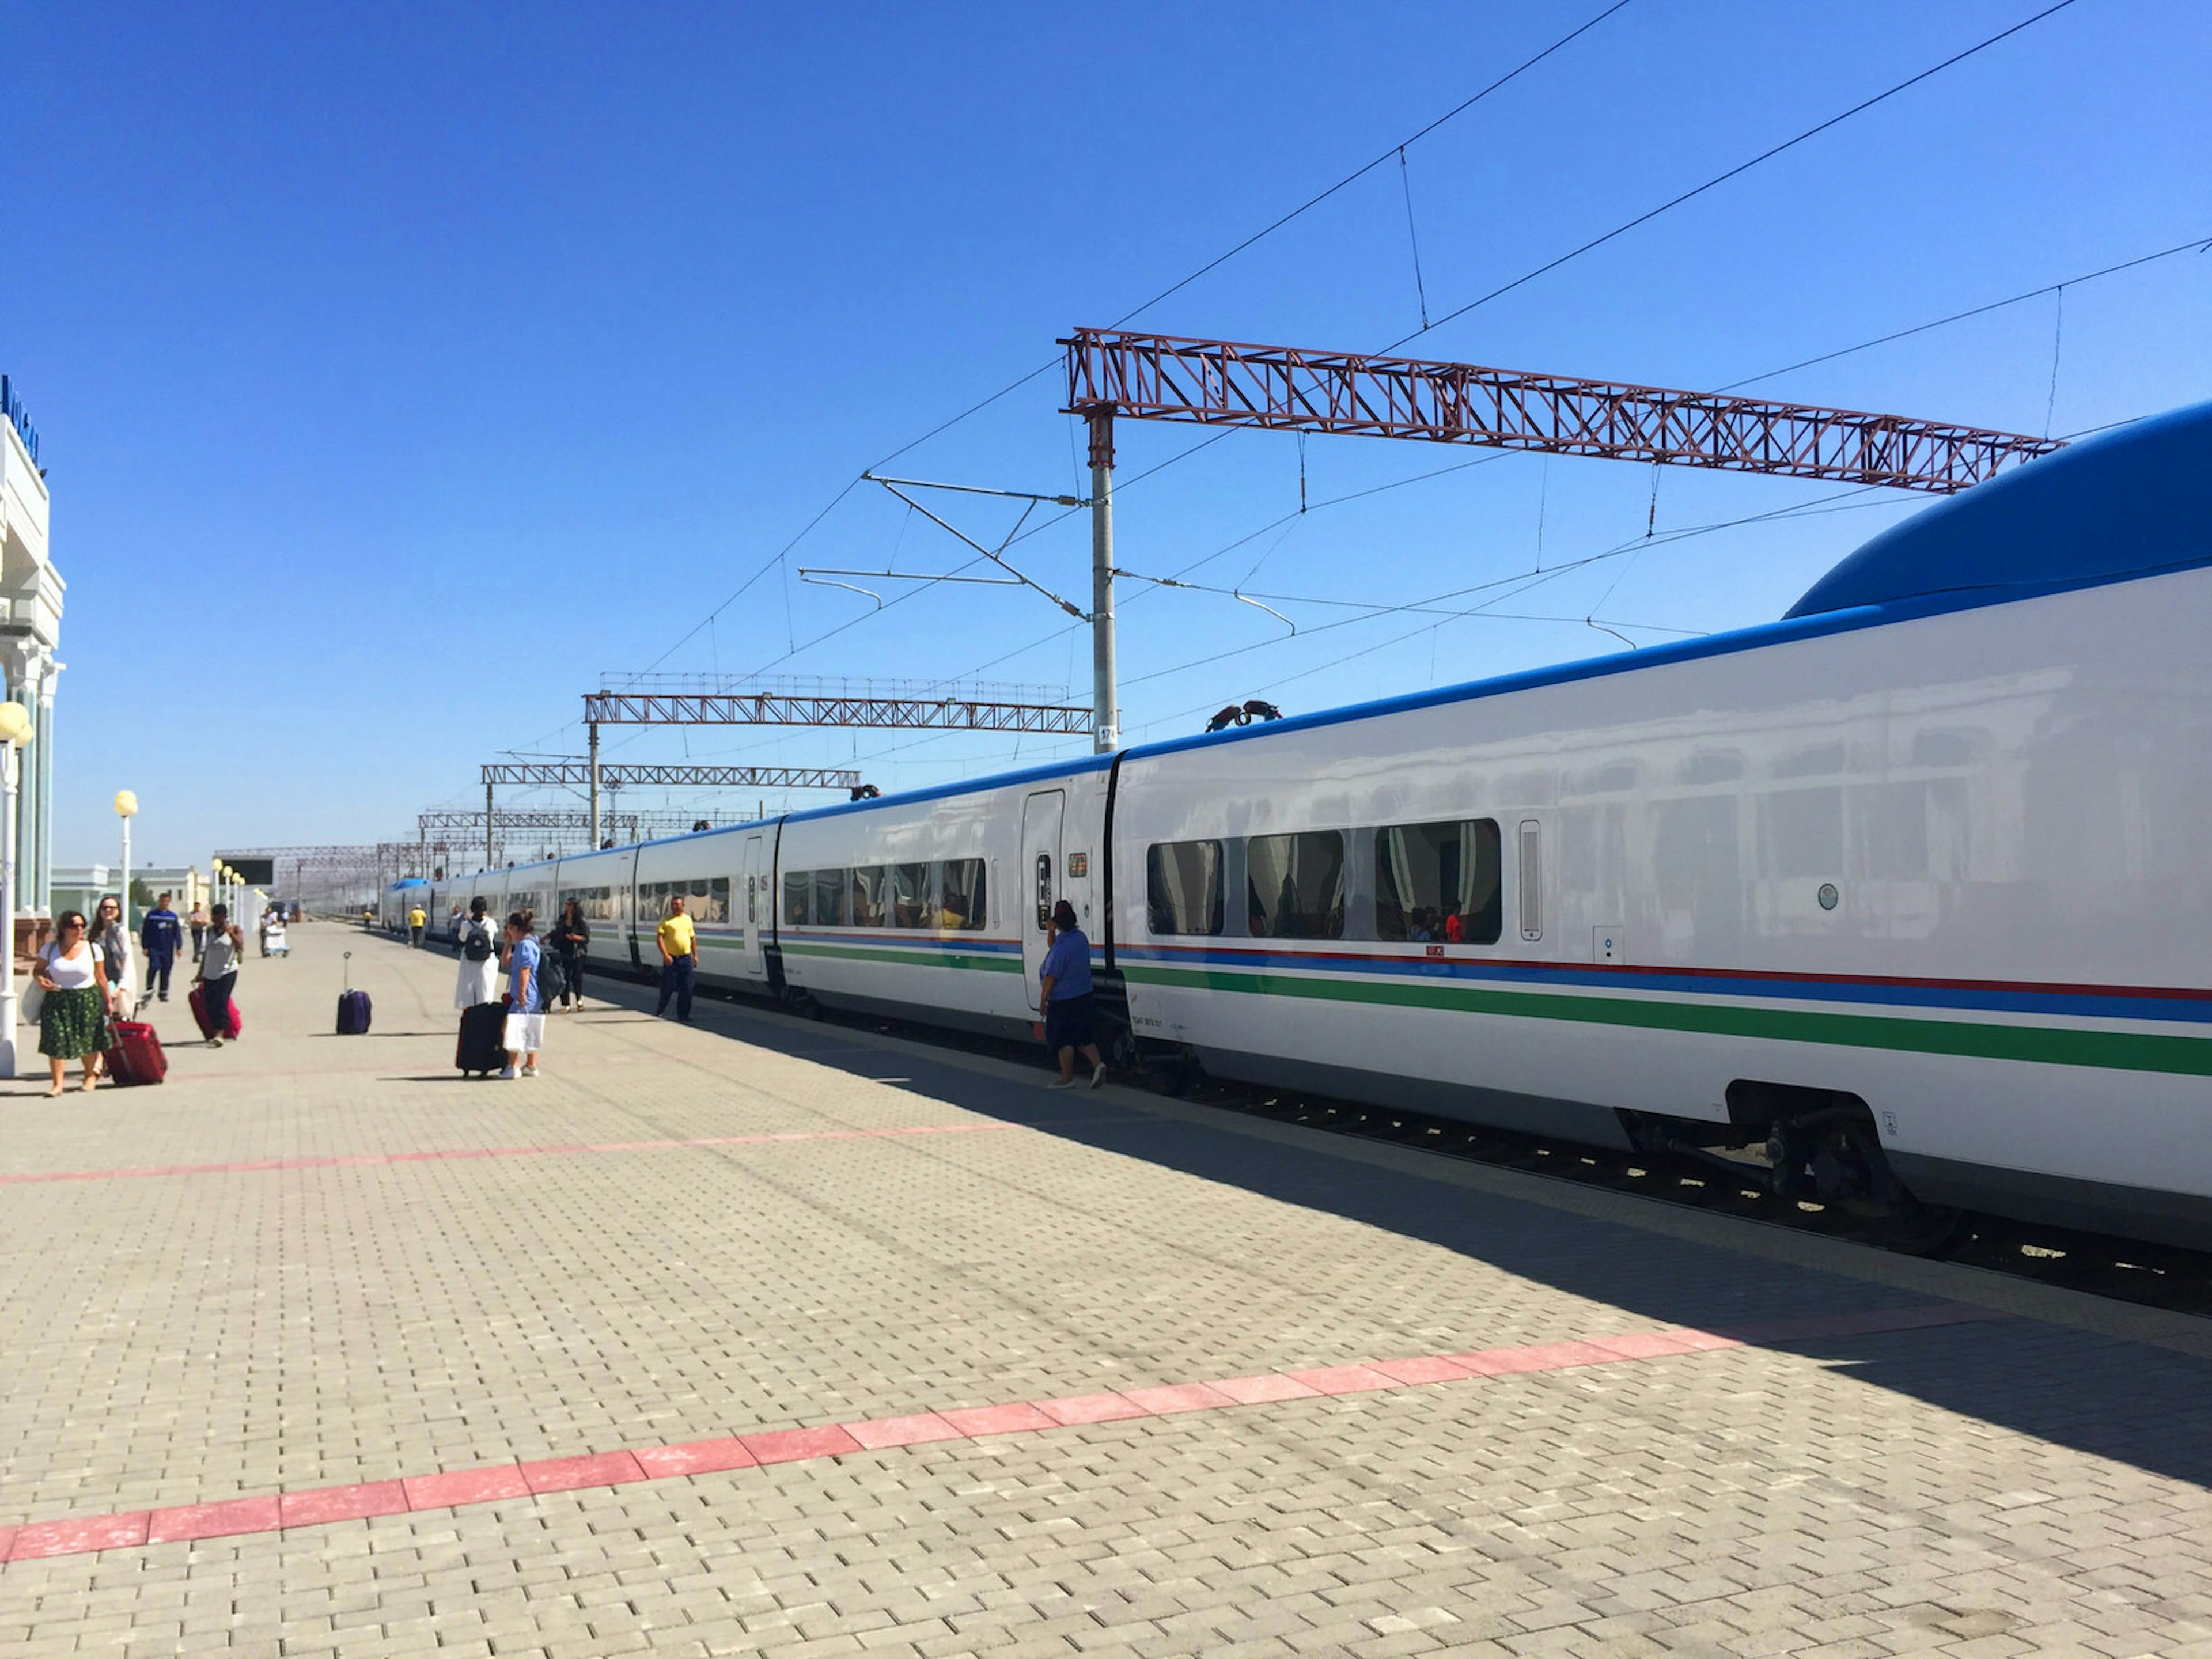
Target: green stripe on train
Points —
{"points": [[976, 962], [2053, 1046]]}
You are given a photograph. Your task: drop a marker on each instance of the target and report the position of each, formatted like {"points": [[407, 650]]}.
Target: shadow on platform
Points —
{"points": [[2130, 1402]]}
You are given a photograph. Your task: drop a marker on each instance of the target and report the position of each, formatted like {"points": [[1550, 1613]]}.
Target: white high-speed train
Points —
{"points": [[1912, 889]]}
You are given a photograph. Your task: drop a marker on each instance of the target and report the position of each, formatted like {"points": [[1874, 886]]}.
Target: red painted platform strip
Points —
{"points": [[88, 1535], [352, 1160], [190, 1522]]}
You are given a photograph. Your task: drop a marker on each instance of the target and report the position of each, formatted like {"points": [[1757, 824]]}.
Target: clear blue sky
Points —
{"points": [[400, 368]]}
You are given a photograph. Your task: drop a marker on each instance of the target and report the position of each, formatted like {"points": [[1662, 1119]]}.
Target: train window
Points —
{"points": [[868, 887], [832, 906], [1182, 887], [709, 901], [1439, 881], [909, 895], [595, 903], [1294, 885], [962, 903], [752, 898], [797, 885], [1043, 890]]}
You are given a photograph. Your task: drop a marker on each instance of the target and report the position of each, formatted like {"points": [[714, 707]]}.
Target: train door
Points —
{"points": [[749, 899], [1038, 881]]}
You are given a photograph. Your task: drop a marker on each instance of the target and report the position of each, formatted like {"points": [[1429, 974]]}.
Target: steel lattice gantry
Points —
{"points": [[1221, 383], [578, 774], [773, 708], [444, 831], [343, 869]]}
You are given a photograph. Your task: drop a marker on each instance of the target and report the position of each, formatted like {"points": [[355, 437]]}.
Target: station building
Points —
{"points": [[31, 591]]}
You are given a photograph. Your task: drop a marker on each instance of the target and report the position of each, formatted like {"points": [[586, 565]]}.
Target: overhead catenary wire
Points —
{"points": [[2194, 245], [1421, 288], [1174, 287], [1737, 170], [1839, 501], [796, 648]]}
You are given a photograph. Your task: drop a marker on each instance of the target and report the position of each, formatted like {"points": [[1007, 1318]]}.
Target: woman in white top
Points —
{"points": [[107, 936], [479, 980], [71, 1024]]}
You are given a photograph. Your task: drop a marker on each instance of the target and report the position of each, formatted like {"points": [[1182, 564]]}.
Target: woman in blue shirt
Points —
{"points": [[1065, 994]]}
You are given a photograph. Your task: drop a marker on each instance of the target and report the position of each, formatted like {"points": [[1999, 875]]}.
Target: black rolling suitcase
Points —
{"points": [[483, 1047]]}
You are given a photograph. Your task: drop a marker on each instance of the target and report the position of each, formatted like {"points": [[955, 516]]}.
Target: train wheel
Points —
{"points": [[1916, 1229]]}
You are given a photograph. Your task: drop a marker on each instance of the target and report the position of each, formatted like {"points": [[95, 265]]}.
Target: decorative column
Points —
{"points": [[42, 764]]}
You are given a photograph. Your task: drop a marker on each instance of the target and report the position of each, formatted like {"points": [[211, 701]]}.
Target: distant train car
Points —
{"points": [[1902, 902], [393, 903]]}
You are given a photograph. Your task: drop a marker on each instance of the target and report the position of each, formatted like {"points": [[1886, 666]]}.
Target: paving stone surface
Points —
{"points": [[923, 1248]]}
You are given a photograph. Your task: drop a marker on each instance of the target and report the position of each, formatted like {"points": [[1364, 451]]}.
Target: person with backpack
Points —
{"points": [[479, 980]]}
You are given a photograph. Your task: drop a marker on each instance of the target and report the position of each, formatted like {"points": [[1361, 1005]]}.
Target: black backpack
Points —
{"points": [[475, 946]]}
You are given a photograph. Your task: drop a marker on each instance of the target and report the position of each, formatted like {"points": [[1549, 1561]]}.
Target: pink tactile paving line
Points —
{"points": [[88, 1535], [340, 1161]]}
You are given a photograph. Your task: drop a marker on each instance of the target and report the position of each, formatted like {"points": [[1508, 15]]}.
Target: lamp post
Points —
{"points": [[126, 808], [15, 732]]}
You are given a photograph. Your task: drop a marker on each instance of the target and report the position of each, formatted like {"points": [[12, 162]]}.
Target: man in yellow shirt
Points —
{"points": [[416, 922], [680, 960]]}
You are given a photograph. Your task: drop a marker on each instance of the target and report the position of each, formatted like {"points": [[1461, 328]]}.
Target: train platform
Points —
{"points": [[768, 1336]]}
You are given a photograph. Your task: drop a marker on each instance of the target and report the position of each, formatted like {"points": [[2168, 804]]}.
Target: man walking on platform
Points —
{"points": [[680, 960], [416, 922], [199, 926], [163, 936]]}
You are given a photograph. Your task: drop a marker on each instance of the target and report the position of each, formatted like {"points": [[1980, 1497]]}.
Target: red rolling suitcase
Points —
{"points": [[136, 1056], [198, 1002]]}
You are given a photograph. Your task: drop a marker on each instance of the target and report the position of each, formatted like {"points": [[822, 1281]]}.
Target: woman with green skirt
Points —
{"points": [[73, 1024]]}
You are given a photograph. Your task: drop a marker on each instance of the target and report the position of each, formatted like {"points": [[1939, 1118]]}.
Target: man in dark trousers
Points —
{"points": [[163, 936], [679, 959], [1064, 991]]}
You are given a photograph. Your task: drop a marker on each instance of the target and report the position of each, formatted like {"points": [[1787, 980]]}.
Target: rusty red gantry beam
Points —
{"points": [[1218, 382], [770, 709]]}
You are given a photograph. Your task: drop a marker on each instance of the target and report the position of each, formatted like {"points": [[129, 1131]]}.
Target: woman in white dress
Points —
{"points": [[479, 981], [75, 980]]}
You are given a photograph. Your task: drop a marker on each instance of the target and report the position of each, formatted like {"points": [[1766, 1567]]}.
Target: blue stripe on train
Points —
{"points": [[2132, 1003]]}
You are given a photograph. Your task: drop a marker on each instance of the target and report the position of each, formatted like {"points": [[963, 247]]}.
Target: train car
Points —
{"points": [[932, 905], [393, 903], [601, 884], [1899, 902], [1907, 891], [723, 876]]}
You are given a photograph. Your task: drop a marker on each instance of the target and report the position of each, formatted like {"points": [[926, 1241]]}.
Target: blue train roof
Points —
{"points": [[2130, 502]]}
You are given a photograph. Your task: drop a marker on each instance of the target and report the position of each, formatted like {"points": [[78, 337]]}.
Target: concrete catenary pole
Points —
{"points": [[1105, 704], [594, 729], [488, 857]]}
